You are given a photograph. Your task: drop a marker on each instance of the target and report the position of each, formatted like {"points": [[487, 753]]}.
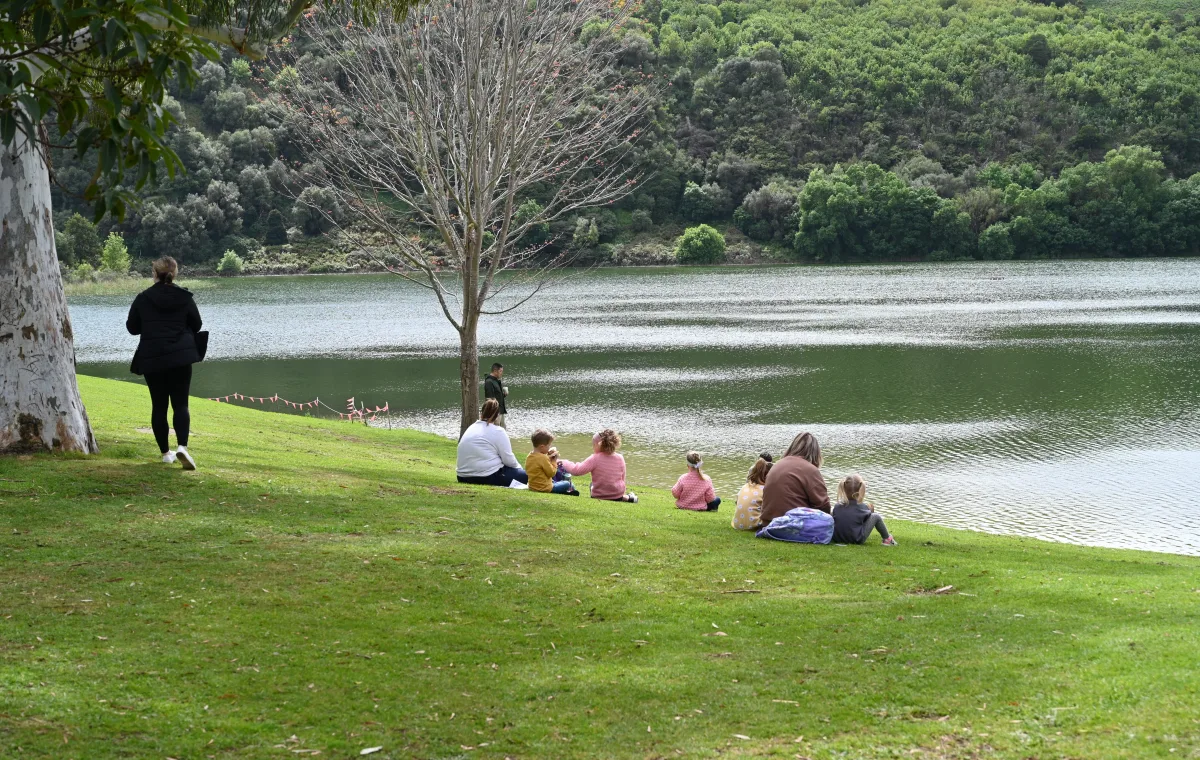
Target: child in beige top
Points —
{"points": [[747, 514]]}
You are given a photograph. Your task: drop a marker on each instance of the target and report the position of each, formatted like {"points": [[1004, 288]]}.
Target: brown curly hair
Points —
{"points": [[608, 440]]}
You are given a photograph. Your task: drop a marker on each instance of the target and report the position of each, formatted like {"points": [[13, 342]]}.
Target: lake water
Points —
{"points": [[1048, 399]]}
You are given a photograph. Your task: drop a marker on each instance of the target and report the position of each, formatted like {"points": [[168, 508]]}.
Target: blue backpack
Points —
{"points": [[800, 526]]}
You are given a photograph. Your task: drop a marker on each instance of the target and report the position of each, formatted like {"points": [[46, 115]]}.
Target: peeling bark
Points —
{"points": [[40, 407]]}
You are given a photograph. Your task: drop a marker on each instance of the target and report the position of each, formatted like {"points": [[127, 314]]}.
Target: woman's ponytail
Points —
{"points": [[165, 269]]}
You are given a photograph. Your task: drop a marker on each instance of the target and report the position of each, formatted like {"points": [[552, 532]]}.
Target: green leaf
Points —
{"points": [[112, 95], [159, 67], [33, 108], [8, 127], [42, 20], [107, 156], [139, 41], [67, 111], [112, 35]]}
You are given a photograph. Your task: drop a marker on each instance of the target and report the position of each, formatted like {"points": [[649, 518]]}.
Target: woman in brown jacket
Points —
{"points": [[795, 480]]}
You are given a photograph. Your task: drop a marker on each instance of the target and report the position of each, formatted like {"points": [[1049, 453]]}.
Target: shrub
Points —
{"points": [[85, 273], [240, 69], [704, 202], [286, 80], [64, 246], [230, 264], [115, 255], [766, 213], [587, 234], [700, 245], [538, 233], [640, 221], [83, 239], [994, 243], [317, 210], [276, 231]]}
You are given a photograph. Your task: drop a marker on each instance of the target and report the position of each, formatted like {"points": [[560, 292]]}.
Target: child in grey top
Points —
{"points": [[854, 519]]}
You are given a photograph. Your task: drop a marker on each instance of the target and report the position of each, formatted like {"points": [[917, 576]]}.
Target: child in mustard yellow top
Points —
{"points": [[541, 465]]}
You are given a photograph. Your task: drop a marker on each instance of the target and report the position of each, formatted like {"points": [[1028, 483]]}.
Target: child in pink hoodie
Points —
{"points": [[606, 466], [694, 489]]}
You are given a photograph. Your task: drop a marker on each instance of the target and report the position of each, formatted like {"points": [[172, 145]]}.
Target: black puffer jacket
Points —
{"points": [[167, 319]]}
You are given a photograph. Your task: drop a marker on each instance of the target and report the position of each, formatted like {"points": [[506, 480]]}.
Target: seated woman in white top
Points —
{"points": [[485, 455]]}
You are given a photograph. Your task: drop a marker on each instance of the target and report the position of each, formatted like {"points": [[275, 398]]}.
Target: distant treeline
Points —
{"points": [[823, 130]]}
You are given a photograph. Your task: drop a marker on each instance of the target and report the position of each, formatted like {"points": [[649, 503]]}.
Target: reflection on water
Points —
{"points": [[1049, 399]]}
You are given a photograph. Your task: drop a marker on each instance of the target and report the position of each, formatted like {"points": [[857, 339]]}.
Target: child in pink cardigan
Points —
{"points": [[606, 466], [694, 489]]}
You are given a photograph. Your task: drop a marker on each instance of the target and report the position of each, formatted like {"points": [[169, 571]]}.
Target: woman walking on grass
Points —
{"points": [[166, 318]]}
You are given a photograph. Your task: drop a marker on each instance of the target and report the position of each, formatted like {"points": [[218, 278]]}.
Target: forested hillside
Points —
{"points": [[807, 130]]}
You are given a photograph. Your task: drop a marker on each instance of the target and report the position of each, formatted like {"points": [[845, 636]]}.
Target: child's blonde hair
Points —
{"points": [[852, 489], [608, 440], [758, 473], [694, 461], [540, 437]]}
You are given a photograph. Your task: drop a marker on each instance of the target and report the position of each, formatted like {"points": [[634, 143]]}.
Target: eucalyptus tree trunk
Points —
{"points": [[40, 408]]}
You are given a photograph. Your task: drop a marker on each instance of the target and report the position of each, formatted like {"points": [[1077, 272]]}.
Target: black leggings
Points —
{"points": [[170, 386]]}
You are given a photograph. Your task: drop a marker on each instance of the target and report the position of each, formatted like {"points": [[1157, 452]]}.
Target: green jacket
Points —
{"points": [[493, 388]]}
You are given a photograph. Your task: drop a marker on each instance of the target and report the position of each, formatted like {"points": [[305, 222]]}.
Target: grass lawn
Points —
{"points": [[321, 586]]}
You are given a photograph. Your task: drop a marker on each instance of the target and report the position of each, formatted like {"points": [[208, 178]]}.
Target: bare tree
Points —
{"points": [[445, 123]]}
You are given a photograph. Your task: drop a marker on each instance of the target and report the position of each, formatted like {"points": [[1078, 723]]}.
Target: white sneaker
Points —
{"points": [[185, 458], [169, 457]]}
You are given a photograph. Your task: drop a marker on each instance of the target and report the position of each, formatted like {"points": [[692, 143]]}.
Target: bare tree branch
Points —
{"points": [[436, 129]]}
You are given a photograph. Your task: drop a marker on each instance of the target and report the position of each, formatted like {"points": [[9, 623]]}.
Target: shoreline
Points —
{"points": [[735, 265], [410, 431]]}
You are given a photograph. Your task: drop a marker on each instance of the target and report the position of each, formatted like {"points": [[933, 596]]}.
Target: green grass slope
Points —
{"points": [[320, 586]]}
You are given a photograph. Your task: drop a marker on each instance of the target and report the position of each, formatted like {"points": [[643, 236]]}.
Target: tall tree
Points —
{"points": [[97, 69], [434, 133]]}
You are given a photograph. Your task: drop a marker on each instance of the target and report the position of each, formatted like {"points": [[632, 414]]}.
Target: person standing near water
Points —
{"points": [[493, 387], [166, 318]]}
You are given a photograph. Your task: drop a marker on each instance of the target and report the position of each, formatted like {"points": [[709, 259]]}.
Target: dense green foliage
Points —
{"points": [[98, 70], [324, 586], [922, 123], [230, 264], [700, 245], [114, 257], [78, 242]]}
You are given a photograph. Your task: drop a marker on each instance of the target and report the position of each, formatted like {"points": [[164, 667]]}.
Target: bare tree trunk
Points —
{"points": [[468, 364], [40, 408]]}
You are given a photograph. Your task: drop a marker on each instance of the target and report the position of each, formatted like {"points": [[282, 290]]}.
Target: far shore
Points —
{"points": [[134, 284]]}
